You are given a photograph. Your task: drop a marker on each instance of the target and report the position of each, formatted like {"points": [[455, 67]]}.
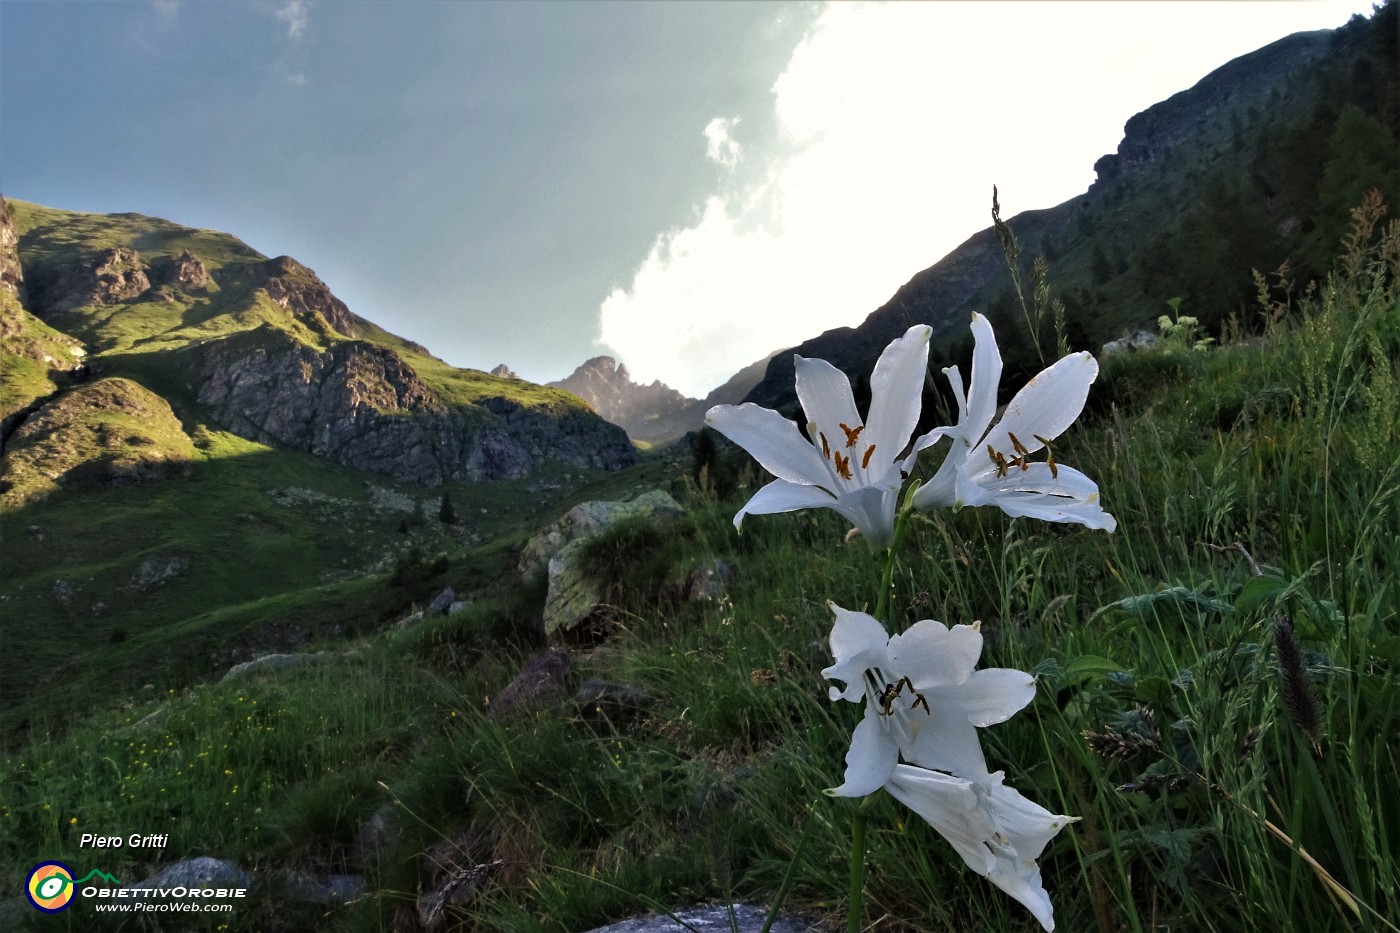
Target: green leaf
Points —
{"points": [[1153, 689], [1258, 591], [1184, 600], [1087, 667]]}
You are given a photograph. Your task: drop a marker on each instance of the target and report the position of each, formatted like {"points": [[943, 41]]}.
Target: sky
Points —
{"points": [[683, 186]]}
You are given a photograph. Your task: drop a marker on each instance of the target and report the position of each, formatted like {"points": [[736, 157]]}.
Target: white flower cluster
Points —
{"points": [[854, 465], [924, 699]]}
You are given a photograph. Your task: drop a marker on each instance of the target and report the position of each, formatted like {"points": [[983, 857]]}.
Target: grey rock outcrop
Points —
{"points": [[184, 271], [443, 602], [11, 273], [281, 662], [1163, 129], [204, 872], [360, 404], [1139, 340], [617, 703], [543, 678], [297, 289], [743, 918], [105, 277], [707, 582], [589, 519], [156, 571]]}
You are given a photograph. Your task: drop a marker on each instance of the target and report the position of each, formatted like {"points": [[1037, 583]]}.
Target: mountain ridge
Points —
{"points": [[262, 347], [1104, 245]]}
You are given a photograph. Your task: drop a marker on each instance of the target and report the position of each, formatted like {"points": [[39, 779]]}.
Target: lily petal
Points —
{"points": [[782, 496], [871, 509], [858, 642], [949, 805], [930, 653], [945, 739], [772, 440], [941, 490], [989, 696], [986, 379], [1066, 495], [870, 761], [1047, 405], [825, 394], [997, 831], [896, 389]]}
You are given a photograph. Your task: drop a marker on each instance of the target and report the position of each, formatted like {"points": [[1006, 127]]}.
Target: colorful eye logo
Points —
{"points": [[50, 887]]}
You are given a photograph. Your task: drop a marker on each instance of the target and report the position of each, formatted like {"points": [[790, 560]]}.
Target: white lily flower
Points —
{"points": [[989, 464], [845, 462], [923, 700], [997, 831]]}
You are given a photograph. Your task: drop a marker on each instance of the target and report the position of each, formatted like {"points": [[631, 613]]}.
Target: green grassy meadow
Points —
{"points": [[1226, 781]]}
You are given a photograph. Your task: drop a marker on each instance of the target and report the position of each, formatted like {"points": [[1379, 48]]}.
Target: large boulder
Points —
{"points": [[573, 596]]}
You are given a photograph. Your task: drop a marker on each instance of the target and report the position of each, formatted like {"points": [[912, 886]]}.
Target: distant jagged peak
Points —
{"points": [[604, 366], [647, 412], [504, 372]]}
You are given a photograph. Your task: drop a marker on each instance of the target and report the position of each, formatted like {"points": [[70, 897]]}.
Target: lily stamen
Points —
{"points": [[865, 461], [998, 459], [851, 433], [1049, 457], [843, 465]]}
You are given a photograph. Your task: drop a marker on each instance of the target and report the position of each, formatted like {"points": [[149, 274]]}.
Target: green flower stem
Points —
{"points": [[901, 525], [853, 912], [882, 604]]}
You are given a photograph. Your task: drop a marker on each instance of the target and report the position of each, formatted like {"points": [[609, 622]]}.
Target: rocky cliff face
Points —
{"points": [[653, 413], [1186, 123], [11, 273], [362, 405]]}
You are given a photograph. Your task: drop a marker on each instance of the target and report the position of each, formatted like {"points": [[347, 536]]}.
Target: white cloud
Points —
{"points": [[296, 15], [720, 145], [893, 124]]}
